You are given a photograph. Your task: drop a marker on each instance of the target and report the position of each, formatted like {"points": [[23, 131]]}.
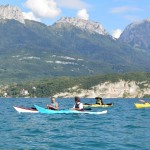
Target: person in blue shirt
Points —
{"points": [[53, 105]]}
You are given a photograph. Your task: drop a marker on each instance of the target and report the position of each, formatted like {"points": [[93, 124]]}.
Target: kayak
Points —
{"points": [[67, 111], [31, 110], [97, 105], [25, 110], [144, 105]]}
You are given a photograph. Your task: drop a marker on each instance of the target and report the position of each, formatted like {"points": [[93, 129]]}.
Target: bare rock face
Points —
{"points": [[11, 12], [137, 34], [86, 25], [120, 89]]}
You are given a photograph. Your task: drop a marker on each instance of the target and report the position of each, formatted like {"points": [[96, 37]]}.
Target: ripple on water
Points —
{"points": [[123, 128]]}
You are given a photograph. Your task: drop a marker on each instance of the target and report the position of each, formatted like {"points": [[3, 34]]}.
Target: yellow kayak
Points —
{"points": [[144, 105], [97, 105]]}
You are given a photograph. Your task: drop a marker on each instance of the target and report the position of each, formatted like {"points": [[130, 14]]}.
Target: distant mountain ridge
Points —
{"points": [[69, 47]]}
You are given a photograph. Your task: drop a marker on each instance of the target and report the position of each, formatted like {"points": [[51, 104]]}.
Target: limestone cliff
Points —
{"points": [[121, 89]]}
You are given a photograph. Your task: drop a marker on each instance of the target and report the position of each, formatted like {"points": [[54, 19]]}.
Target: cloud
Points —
{"points": [[30, 16], [43, 8], [72, 4], [131, 17], [124, 9], [116, 33], [83, 14]]}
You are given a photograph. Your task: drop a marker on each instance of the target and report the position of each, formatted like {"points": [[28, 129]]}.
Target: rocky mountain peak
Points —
{"points": [[90, 26], [11, 12], [147, 19], [138, 23], [137, 34]]}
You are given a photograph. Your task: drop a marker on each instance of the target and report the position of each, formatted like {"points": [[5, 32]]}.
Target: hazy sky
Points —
{"points": [[114, 15]]}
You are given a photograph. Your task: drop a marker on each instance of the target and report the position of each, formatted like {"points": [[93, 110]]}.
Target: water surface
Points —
{"points": [[123, 128]]}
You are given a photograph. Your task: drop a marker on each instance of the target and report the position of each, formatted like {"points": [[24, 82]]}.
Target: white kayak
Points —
{"points": [[67, 111], [25, 110]]}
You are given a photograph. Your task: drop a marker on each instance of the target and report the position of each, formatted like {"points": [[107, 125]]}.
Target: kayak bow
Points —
{"points": [[25, 110], [145, 105], [67, 111]]}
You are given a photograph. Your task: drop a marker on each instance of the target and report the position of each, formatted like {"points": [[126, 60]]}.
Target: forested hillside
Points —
{"points": [[51, 86]]}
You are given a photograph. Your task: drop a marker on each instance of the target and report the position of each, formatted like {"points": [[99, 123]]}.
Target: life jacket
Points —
{"points": [[100, 102], [77, 105]]}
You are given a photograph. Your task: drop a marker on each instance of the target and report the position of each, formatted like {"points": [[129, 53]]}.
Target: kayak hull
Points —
{"points": [[25, 110], [97, 105], [67, 111], [145, 105]]}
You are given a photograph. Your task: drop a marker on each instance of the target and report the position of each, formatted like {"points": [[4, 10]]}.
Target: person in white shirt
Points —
{"points": [[78, 105]]}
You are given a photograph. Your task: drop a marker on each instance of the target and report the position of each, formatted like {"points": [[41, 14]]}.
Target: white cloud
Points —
{"points": [[72, 4], [116, 33], [30, 16], [131, 18], [125, 9], [43, 8], [83, 14]]}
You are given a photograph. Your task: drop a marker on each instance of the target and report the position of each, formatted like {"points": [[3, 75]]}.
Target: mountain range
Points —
{"points": [[69, 47]]}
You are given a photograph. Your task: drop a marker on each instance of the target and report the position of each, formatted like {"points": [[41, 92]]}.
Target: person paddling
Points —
{"points": [[99, 101], [78, 105], [53, 105], [143, 101]]}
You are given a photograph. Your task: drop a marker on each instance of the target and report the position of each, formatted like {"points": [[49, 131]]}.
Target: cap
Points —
{"points": [[98, 98]]}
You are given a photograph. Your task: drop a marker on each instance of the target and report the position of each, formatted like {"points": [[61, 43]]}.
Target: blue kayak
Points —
{"points": [[67, 111]]}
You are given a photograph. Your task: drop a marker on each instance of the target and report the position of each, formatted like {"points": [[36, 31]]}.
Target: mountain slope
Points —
{"points": [[97, 47], [137, 34], [34, 50]]}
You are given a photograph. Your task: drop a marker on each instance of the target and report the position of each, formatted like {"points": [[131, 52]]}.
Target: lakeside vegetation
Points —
{"points": [[51, 86]]}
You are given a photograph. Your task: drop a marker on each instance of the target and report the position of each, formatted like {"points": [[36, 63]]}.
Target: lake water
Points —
{"points": [[123, 128]]}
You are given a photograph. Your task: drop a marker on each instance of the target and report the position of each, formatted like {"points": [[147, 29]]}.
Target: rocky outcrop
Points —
{"points": [[121, 89], [11, 12], [137, 34], [90, 26]]}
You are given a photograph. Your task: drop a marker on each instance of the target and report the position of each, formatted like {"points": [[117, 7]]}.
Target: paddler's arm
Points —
{"points": [[52, 107], [56, 108], [75, 109], [143, 101]]}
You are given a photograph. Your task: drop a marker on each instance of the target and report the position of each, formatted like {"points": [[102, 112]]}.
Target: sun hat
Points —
{"points": [[98, 98]]}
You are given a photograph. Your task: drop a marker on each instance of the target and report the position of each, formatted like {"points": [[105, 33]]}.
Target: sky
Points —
{"points": [[114, 15]]}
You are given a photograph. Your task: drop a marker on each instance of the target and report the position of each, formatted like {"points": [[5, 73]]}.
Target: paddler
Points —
{"points": [[53, 105], [78, 105], [143, 101], [99, 101]]}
